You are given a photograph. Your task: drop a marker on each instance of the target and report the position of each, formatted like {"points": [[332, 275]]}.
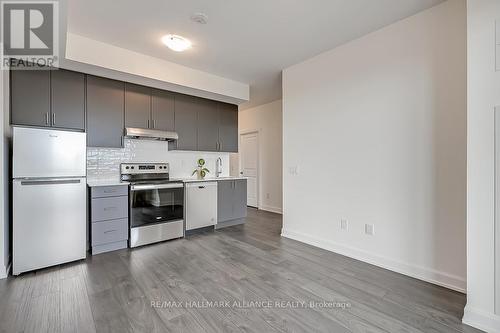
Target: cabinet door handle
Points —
{"points": [[53, 119], [108, 231], [109, 208], [154, 123], [46, 118], [148, 124]]}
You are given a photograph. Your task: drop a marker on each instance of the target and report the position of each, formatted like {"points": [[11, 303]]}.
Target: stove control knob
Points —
{"points": [[127, 168]]}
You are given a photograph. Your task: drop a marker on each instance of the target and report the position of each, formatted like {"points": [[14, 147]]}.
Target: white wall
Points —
{"points": [[375, 133], [483, 94], [267, 119]]}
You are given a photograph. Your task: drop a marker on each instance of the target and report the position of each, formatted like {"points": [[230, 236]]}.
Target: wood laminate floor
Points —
{"points": [[240, 279]]}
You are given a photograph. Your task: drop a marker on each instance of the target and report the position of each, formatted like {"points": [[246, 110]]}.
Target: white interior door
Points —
{"points": [[250, 166]]}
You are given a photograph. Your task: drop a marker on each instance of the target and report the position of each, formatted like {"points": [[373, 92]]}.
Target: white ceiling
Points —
{"points": [[247, 41]]}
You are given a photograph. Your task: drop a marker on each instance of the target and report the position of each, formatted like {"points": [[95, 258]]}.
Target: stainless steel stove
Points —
{"points": [[156, 203]]}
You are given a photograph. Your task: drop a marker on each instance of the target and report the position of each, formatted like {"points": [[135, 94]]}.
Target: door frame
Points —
{"points": [[240, 134]]}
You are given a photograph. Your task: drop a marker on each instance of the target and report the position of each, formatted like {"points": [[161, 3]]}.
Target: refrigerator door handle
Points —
{"points": [[50, 181]]}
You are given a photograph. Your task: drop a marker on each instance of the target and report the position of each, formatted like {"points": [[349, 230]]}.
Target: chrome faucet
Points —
{"points": [[218, 167]]}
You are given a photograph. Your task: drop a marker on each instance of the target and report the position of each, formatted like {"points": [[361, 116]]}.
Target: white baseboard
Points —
{"points": [[487, 322], [271, 209], [443, 279]]}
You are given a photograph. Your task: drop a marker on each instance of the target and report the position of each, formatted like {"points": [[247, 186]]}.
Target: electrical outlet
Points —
{"points": [[344, 224], [369, 229]]}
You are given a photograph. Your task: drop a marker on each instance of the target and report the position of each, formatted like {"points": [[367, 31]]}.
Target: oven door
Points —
{"points": [[154, 204]]}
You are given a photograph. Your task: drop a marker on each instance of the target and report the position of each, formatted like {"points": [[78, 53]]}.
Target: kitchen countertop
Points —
{"points": [[208, 179]]}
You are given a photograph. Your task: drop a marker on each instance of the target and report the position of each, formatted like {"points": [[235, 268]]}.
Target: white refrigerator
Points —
{"points": [[49, 198]]}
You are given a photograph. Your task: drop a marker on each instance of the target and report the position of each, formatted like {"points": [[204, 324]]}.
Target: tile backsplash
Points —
{"points": [[104, 163]]}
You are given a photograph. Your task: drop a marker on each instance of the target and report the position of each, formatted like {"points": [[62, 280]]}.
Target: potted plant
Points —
{"points": [[200, 170]]}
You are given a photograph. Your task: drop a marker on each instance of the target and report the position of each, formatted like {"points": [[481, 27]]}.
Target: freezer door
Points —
{"points": [[49, 222], [41, 153]]}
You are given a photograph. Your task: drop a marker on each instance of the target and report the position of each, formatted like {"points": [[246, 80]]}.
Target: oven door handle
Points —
{"points": [[155, 187]]}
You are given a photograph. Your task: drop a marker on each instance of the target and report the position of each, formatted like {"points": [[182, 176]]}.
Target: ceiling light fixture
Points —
{"points": [[176, 43]]}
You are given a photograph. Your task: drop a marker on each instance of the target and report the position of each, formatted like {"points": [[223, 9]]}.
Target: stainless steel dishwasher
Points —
{"points": [[201, 205]]}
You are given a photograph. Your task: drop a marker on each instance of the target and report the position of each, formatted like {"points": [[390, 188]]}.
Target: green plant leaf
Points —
{"points": [[206, 170], [194, 172], [201, 162]]}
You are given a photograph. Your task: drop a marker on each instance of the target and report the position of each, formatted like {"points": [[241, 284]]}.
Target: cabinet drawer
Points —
{"points": [[109, 191], [109, 231], [109, 208]]}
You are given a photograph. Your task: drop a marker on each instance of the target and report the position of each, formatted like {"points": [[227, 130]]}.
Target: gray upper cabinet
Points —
{"points": [[76, 101], [208, 126], [30, 97], [137, 106], [68, 99], [162, 110], [186, 122], [48, 98], [105, 112], [228, 127], [205, 125]]}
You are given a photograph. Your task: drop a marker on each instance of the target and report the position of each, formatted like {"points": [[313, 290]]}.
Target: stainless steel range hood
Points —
{"points": [[151, 134]]}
